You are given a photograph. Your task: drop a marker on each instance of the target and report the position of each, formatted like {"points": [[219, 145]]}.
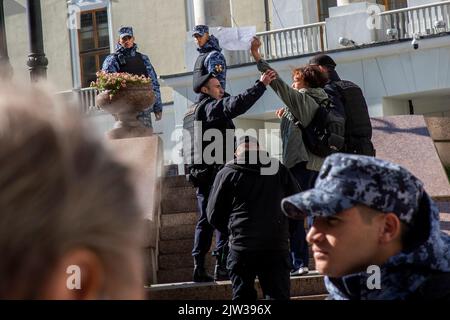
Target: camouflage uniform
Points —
{"points": [[112, 65], [349, 180], [215, 62]]}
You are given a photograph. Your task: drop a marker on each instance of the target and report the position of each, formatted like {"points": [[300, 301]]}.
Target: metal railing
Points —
{"points": [[83, 99], [421, 20], [294, 41], [87, 100], [287, 42]]}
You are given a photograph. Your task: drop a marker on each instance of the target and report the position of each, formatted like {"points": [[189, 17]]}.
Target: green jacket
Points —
{"points": [[302, 105]]}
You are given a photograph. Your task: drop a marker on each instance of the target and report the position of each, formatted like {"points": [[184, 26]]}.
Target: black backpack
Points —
{"points": [[325, 134], [192, 153], [198, 173], [358, 128]]}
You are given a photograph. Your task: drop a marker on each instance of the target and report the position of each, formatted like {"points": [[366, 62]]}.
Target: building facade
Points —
{"points": [[396, 78]]}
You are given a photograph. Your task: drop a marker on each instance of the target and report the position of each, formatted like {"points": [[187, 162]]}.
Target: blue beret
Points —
{"points": [[346, 181], [125, 31], [200, 30]]}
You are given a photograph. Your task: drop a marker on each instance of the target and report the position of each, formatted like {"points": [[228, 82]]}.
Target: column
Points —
{"points": [[5, 66], [199, 12], [36, 59]]}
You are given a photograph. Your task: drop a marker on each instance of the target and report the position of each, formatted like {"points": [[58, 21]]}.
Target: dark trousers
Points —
{"points": [[271, 268], [305, 178], [204, 231], [298, 244]]}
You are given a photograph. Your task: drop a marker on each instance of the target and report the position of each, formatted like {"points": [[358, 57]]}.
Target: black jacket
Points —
{"points": [[334, 93], [218, 114], [246, 202]]}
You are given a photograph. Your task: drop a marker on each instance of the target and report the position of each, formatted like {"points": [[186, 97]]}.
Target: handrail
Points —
{"points": [[419, 20], [281, 43], [424, 6], [305, 26]]}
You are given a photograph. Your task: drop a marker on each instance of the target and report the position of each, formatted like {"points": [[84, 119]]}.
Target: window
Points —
{"points": [[93, 38], [324, 5], [393, 4]]}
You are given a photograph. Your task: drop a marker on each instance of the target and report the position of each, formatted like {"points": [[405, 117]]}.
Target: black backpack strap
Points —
{"points": [[296, 122], [325, 102], [236, 167], [322, 103], [198, 108]]}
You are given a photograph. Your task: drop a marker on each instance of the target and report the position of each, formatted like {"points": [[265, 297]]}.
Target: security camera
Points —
{"points": [[392, 33], [440, 26], [415, 42], [346, 42]]}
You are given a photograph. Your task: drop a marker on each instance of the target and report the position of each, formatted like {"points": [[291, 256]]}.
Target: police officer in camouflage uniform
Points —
{"points": [[211, 60], [369, 212], [128, 59]]}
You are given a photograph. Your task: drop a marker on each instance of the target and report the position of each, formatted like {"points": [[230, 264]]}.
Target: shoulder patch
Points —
{"points": [[218, 68]]}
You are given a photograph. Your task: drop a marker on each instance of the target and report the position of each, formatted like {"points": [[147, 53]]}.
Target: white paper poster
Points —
{"points": [[235, 39]]}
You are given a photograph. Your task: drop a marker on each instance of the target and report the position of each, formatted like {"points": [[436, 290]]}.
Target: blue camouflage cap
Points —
{"points": [[125, 31], [200, 30], [349, 180]]}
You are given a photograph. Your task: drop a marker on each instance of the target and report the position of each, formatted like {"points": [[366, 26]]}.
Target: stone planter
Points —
{"points": [[125, 105]]}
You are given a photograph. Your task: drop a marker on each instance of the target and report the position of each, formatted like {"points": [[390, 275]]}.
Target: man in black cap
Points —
{"points": [[211, 59], [349, 101], [212, 115], [245, 201]]}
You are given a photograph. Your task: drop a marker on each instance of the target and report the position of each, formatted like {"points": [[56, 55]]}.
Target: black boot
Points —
{"points": [[221, 271], [200, 274]]}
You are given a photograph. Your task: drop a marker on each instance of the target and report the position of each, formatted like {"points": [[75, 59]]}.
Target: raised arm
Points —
{"points": [[294, 100], [231, 107]]}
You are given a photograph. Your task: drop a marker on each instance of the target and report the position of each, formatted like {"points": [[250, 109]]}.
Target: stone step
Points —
{"points": [[310, 285], [175, 182], [184, 260], [179, 246], [180, 232], [175, 262], [177, 219], [175, 246], [169, 272], [177, 276], [314, 297], [182, 275], [178, 200], [171, 171]]}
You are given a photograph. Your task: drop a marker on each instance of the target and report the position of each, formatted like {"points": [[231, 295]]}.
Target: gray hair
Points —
{"points": [[59, 190]]}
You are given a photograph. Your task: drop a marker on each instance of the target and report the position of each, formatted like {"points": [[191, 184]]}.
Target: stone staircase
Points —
{"points": [[178, 220], [310, 287]]}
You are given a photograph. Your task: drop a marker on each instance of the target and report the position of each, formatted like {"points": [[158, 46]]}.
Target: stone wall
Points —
{"points": [[440, 132]]}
